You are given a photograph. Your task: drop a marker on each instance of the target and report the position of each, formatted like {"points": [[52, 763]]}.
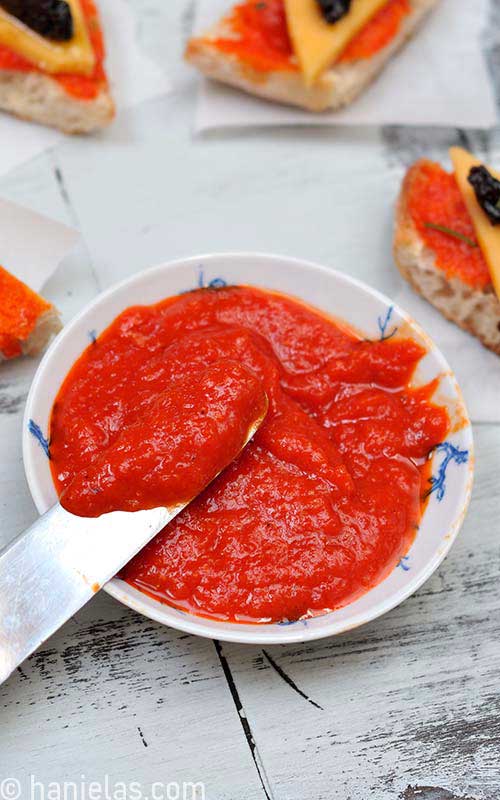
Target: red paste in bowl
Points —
{"points": [[327, 497]]}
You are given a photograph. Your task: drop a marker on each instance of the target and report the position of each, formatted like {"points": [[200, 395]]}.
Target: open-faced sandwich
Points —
{"points": [[27, 321], [316, 54], [447, 241], [52, 64]]}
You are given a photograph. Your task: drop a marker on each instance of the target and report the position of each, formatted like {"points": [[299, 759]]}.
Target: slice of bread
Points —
{"points": [[338, 87], [475, 310], [46, 327], [27, 321], [39, 98]]}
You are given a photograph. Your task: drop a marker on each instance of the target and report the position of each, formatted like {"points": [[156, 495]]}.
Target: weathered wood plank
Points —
{"points": [[411, 699], [114, 693]]}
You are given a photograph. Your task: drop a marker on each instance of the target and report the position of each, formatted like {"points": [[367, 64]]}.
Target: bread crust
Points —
{"points": [[46, 327], [475, 310], [336, 88], [39, 98]]}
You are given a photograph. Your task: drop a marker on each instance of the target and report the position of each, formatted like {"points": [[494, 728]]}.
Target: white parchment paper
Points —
{"points": [[32, 246], [133, 78], [439, 78]]}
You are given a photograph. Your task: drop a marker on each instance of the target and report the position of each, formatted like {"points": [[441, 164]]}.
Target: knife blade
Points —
{"points": [[57, 565]]}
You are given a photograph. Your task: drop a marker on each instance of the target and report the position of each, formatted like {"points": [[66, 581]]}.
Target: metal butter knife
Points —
{"points": [[52, 569]]}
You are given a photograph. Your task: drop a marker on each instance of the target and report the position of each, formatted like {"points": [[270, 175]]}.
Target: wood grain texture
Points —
{"points": [[114, 693], [409, 699], [406, 707]]}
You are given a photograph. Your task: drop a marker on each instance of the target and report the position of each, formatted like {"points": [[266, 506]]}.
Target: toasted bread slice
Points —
{"points": [[70, 99], [475, 310], [39, 98], [338, 87], [27, 321]]}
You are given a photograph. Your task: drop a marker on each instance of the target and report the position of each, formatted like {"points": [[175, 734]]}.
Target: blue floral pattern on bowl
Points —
{"points": [[452, 454], [383, 324], [36, 432]]}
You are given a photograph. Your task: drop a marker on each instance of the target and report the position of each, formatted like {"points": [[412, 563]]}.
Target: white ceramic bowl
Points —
{"points": [[340, 296]]}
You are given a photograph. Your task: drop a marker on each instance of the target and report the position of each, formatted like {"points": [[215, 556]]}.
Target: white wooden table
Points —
{"points": [[407, 707]]}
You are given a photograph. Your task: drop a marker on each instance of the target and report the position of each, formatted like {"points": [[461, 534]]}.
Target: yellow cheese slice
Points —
{"points": [[318, 44], [75, 56], [488, 235]]}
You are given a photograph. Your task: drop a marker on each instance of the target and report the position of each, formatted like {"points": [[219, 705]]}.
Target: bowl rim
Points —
{"points": [[190, 623]]}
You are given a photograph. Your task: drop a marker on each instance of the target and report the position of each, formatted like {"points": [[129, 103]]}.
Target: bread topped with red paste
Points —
{"points": [[447, 241], [315, 54], [52, 64], [27, 321]]}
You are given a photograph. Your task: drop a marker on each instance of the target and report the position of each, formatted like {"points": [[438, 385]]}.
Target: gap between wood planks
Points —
{"points": [[257, 760], [288, 680], [73, 216], [403, 147], [141, 736]]}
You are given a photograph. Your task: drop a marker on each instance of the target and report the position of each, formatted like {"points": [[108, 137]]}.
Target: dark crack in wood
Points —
{"points": [[141, 735], [288, 680], [243, 719]]}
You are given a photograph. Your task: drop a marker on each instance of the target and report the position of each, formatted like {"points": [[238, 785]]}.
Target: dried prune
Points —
{"points": [[49, 18], [487, 190], [333, 10]]}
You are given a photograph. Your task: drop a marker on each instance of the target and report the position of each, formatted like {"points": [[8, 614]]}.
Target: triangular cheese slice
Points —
{"points": [[75, 56], [58, 83], [317, 43], [488, 235]]}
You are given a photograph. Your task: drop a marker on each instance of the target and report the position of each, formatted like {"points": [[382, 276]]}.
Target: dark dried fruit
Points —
{"points": [[333, 10], [49, 18], [487, 190]]}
